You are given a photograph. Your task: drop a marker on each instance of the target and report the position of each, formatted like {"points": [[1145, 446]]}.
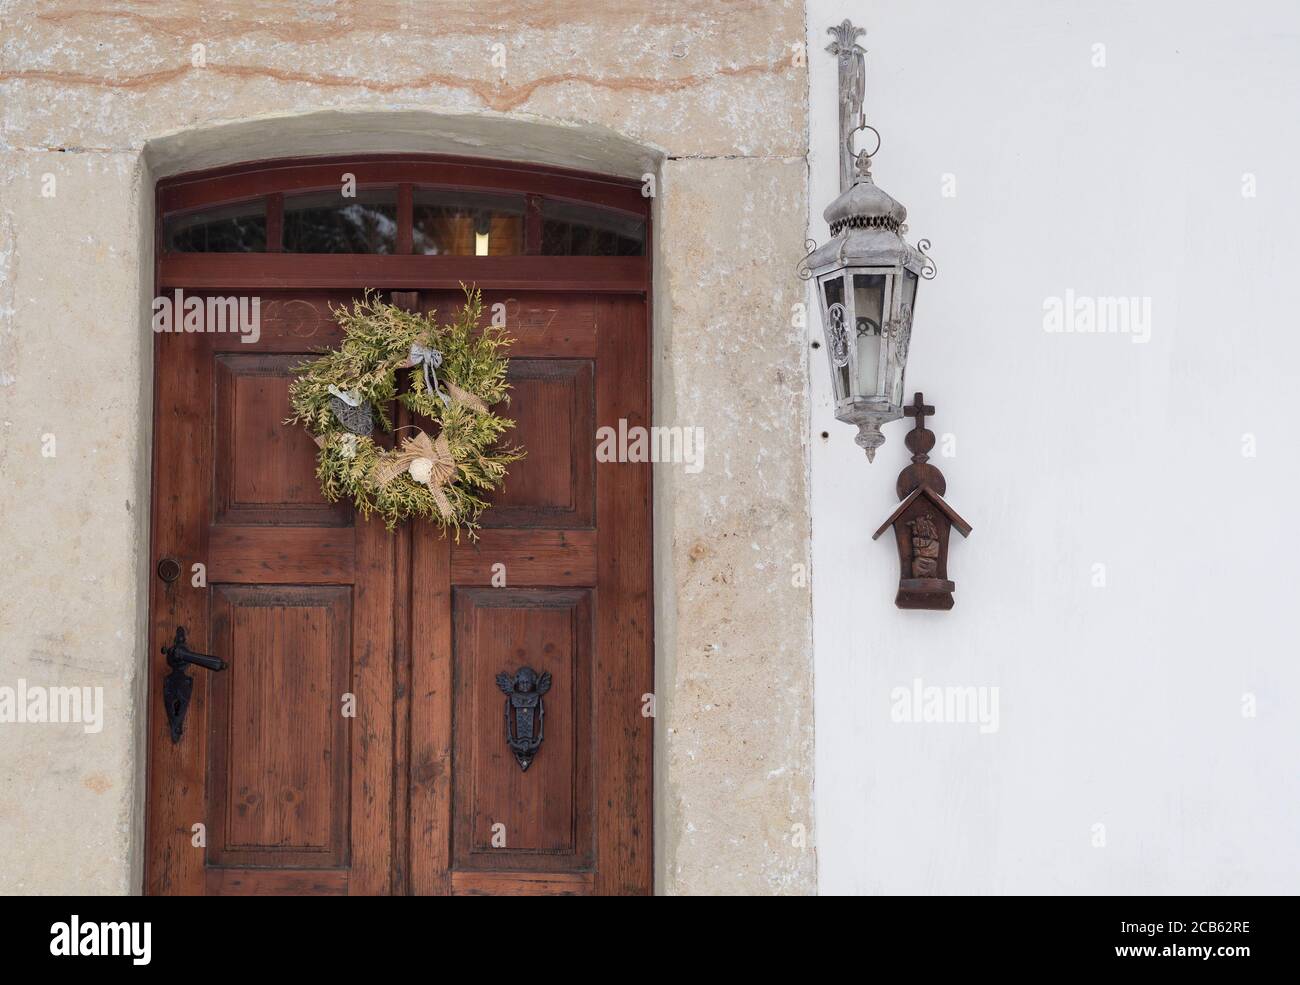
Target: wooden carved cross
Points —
{"points": [[918, 408]]}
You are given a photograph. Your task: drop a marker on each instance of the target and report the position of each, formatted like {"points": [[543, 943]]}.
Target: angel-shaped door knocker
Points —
{"points": [[524, 712]]}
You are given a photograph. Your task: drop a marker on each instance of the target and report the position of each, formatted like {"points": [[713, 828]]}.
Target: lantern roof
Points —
{"points": [[865, 206], [867, 226]]}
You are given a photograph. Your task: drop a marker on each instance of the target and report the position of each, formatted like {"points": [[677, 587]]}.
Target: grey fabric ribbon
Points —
{"points": [[430, 359]]}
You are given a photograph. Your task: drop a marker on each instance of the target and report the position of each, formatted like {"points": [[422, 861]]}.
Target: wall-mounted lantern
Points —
{"points": [[867, 274], [866, 278]]}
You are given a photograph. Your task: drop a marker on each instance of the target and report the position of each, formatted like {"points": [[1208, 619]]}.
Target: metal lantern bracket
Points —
{"points": [[852, 92]]}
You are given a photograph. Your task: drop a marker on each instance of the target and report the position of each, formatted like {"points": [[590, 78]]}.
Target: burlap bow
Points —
{"points": [[416, 456]]}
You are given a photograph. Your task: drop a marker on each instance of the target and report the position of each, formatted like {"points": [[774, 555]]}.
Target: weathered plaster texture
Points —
{"points": [[735, 713], [108, 97], [705, 78], [75, 537]]}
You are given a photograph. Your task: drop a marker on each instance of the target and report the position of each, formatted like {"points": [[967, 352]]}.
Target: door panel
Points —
{"points": [[279, 766], [265, 473], [506, 818], [599, 639], [312, 607], [553, 404], [269, 778]]}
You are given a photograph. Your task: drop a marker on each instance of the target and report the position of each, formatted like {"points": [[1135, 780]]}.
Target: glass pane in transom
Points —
{"points": [[570, 229], [466, 224], [238, 228], [329, 222]]}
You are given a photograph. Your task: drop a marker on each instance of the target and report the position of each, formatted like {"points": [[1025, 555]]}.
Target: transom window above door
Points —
{"points": [[406, 217]]}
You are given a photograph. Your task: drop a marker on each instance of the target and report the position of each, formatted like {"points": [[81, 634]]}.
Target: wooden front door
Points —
{"points": [[355, 741]]}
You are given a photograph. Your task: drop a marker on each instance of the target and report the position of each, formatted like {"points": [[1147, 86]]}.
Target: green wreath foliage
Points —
{"points": [[377, 338]]}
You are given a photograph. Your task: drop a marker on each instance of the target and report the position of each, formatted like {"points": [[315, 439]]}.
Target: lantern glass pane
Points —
{"points": [[903, 328], [909, 291], [835, 323], [868, 316]]}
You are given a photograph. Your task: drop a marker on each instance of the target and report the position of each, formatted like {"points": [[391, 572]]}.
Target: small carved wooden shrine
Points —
{"points": [[922, 522]]}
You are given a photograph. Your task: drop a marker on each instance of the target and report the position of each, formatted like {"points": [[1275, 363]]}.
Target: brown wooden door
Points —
{"points": [[313, 608]]}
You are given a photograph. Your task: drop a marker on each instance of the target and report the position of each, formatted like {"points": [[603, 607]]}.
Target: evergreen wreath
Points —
{"points": [[457, 372]]}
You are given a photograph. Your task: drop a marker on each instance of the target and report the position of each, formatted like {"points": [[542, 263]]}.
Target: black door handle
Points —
{"points": [[178, 686], [179, 654]]}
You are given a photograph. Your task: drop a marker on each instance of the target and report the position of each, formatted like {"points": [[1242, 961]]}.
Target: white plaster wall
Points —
{"points": [[1119, 705]]}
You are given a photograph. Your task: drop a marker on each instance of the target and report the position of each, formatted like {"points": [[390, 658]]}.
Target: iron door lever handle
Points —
{"points": [[179, 654], [178, 686]]}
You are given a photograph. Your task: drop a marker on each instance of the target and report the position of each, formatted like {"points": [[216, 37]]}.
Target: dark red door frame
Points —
{"points": [[273, 179], [249, 180]]}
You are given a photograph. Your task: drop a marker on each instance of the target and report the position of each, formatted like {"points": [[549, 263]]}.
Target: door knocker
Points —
{"points": [[524, 712]]}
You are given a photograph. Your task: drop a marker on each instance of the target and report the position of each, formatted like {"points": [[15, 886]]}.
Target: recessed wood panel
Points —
{"points": [[552, 403], [278, 747], [544, 813], [265, 469]]}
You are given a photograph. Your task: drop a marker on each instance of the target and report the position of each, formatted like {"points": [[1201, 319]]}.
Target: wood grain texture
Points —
{"points": [[545, 814], [403, 589], [531, 557], [275, 481], [376, 605], [181, 499], [282, 555], [624, 641], [541, 324], [273, 882], [553, 404], [522, 883], [278, 755], [430, 761], [282, 271]]}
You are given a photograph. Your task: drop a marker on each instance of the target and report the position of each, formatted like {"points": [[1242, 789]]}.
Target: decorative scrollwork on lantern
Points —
{"points": [[903, 330], [838, 336], [931, 269], [803, 271]]}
